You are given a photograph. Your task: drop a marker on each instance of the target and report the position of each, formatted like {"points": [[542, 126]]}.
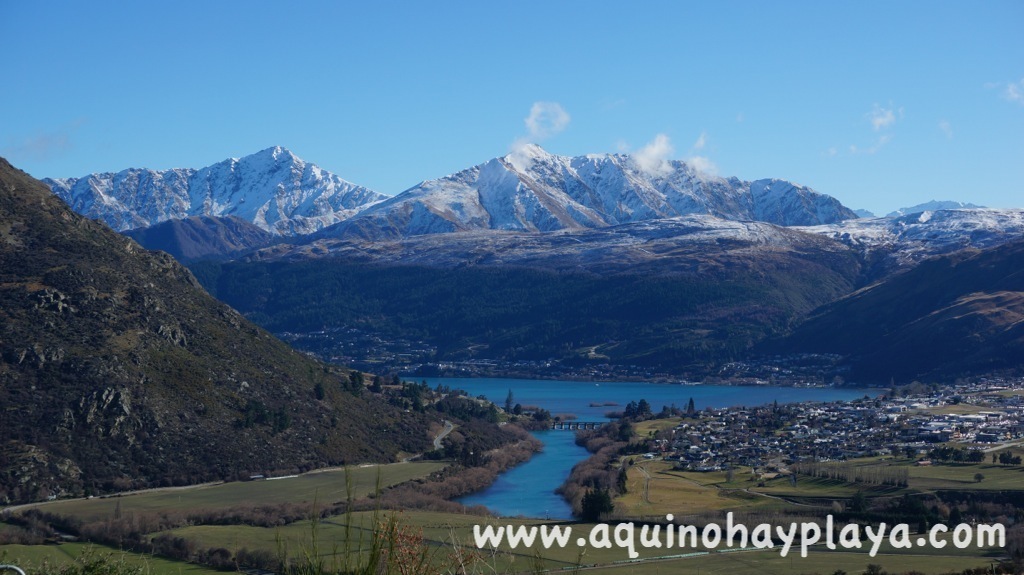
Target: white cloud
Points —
{"points": [[883, 117], [1014, 91], [545, 120], [873, 148], [946, 128], [703, 165], [701, 141], [654, 157], [882, 120]]}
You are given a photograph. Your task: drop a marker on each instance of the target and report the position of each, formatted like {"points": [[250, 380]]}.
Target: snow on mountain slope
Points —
{"points": [[694, 243], [532, 190], [932, 206], [273, 189], [911, 238]]}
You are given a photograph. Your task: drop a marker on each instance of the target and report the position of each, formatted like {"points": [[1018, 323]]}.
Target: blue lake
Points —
{"points": [[529, 488]]}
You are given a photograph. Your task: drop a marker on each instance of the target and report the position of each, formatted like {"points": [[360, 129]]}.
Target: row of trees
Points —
{"points": [[894, 475], [956, 455]]}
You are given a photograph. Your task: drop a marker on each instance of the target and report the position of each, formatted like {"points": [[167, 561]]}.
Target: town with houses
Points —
{"points": [[374, 352], [986, 416]]}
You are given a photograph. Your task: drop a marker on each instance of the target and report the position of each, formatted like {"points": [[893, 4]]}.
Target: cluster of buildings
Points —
{"points": [[768, 438]]}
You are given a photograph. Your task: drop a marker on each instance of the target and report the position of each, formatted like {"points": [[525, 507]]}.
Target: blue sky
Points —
{"points": [[880, 104]]}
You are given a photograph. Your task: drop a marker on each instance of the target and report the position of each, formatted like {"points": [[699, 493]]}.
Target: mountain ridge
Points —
{"points": [[952, 315], [273, 189], [533, 190], [931, 206]]}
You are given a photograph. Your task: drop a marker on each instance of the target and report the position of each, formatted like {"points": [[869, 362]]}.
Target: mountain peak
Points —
{"points": [[932, 206], [531, 189], [278, 153], [273, 189], [112, 356], [524, 155]]}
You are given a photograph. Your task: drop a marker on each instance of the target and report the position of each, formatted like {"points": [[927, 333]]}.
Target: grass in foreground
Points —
{"points": [[50, 558], [323, 486], [428, 542]]}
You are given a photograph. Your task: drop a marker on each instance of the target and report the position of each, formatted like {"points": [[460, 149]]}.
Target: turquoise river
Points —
{"points": [[529, 489]]}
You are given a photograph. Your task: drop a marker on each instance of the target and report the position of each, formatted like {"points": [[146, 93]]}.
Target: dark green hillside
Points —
{"points": [[677, 321], [118, 370], [950, 316]]}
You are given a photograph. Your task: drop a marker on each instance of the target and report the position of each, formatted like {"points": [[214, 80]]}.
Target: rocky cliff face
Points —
{"points": [[117, 370]]}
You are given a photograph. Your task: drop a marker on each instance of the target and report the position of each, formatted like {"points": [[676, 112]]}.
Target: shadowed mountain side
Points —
{"points": [[680, 294], [951, 315], [199, 237], [117, 370]]}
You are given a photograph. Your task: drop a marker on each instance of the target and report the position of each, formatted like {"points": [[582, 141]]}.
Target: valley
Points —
{"points": [[550, 282]]}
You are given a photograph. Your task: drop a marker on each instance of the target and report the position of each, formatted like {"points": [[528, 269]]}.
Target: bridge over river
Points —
{"points": [[574, 425]]}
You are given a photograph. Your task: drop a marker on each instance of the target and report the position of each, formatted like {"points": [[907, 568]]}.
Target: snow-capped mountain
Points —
{"points": [[911, 238], [932, 206], [273, 189], [532, 190]]}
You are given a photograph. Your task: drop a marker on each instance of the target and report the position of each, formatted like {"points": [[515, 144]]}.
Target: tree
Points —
{"points": [[978, 477], [378, 384], [643, 409], [690, 408], [510, 402], [625, 431], [621, 481], [355, 382], [955, 516], [595, 503], [859, 503]]}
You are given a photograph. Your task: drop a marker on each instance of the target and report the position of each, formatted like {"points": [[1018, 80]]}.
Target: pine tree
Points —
{"points": [[595, 503]]}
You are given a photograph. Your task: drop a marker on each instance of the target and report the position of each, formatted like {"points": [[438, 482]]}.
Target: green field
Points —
{"points": [[939, 476], [339, 544], [685, 493], [443, 531], [961, 476], [769, 563], [343, 541], [325, 487], [31, 557]]}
